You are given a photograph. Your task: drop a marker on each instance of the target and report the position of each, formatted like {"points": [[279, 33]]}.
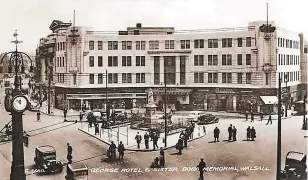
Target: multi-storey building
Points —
{"points": [[304, 67], [222, 69]]}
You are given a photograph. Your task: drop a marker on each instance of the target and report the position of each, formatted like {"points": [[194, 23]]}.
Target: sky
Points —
{"points": [[32, 18]]}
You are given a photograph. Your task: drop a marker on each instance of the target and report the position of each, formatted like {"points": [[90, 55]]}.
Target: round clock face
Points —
{"points": [[20, 103]]}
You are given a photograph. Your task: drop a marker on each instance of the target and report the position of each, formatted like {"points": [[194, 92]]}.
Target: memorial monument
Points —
{"points": [[150, 113]]}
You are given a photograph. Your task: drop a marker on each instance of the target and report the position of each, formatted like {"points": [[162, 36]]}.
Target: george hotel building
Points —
{"points": [[216, 69]]}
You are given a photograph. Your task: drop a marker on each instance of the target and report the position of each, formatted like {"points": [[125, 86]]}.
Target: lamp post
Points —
{"points": [[305, 100], [279, 132], [286, 79], [16, 104], [165, 110]]}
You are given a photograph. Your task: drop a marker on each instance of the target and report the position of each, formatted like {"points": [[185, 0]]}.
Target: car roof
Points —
{"points": [[46, 148], [296, 156], [77, 166]]}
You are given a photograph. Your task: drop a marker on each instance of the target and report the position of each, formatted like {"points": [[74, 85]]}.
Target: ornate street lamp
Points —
{"points": [[16, 103]]}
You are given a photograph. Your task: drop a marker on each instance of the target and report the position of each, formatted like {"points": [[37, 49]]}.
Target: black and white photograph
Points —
{"points": [[153, 89]]}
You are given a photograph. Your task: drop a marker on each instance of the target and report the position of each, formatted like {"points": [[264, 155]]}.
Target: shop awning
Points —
{"points": [[269, 99]]}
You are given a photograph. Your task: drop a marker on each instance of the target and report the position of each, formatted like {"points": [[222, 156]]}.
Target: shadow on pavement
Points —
{"points": [[213, 141]]}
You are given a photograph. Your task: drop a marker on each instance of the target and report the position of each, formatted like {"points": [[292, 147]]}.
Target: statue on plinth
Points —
{"points": [[150, 97]]}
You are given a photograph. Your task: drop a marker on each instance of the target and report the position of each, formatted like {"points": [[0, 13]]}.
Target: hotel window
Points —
{"points": [[126, 61], [126, 45], [248, 41], [60, 46], [198, 60], [91, 45], [224, 59], [215, 77], [140, 77], [64, 44], [229, 59], [140, 60], [215, 60], [248, 59], [239, 42], [112, 78], [185, 44], [100, 78], [199, 43], [99, 45], [199, 77], [126, 77], [291, 44], [100, 61], [212, 78], [112, 45], [229, 78], [226, 42], [278, 42], [213, 43], [210, 60], [239, 59], [239, 78], [154, 44], [112, 61], [74, 79], [169, 44], [91, 78], [224, 78], [138, 45], [91, 61], [248, 78]]}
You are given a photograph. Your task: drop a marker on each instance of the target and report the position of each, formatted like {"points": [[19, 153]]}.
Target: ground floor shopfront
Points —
{"points": [[210, 99]]}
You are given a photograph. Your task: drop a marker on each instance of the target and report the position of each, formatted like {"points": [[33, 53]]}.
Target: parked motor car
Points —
{"points": [[45, 159], [295, 166], [207, 119], [194, 115]]}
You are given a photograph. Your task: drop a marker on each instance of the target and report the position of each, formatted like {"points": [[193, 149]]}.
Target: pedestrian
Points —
{"points": [[201, 167], [38, 116], [80, 116], [146, 140], [252, 117], [216, 134], [96, 129], [248, 134], [204, 131], [192, 128], [234, 132], [261, 116], [112, 150], [185, 138], [65, 113], [246, 115], [253, 133], [69, 153], [269, 120], [179, 145], [121, 150], [162, 158], [230, 132], [155, 139], [138, 139]]}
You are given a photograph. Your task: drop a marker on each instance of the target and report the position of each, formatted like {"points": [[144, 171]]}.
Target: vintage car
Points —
{"points": [[207, 119], [45, 159], [77, 171], [295, 167], [194, 115]]}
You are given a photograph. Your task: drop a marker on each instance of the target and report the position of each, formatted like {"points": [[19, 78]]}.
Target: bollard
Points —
{"points": [[100, 133], [199, 131]]}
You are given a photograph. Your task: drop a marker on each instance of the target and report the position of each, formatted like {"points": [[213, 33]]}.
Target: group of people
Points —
{"points": [[261, 117], [111, 152], [232, 131], [159, 162], [154, 137], [184, 137]]}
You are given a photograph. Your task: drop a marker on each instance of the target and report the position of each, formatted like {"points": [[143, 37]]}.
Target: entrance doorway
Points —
{"points": [[223, 105]]}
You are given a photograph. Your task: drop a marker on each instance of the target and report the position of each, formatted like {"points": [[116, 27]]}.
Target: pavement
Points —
{"points": [[127, 136], [262, 152]]}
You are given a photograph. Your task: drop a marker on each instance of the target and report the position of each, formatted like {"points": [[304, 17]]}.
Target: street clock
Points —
{"points": [[20, 103]]}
